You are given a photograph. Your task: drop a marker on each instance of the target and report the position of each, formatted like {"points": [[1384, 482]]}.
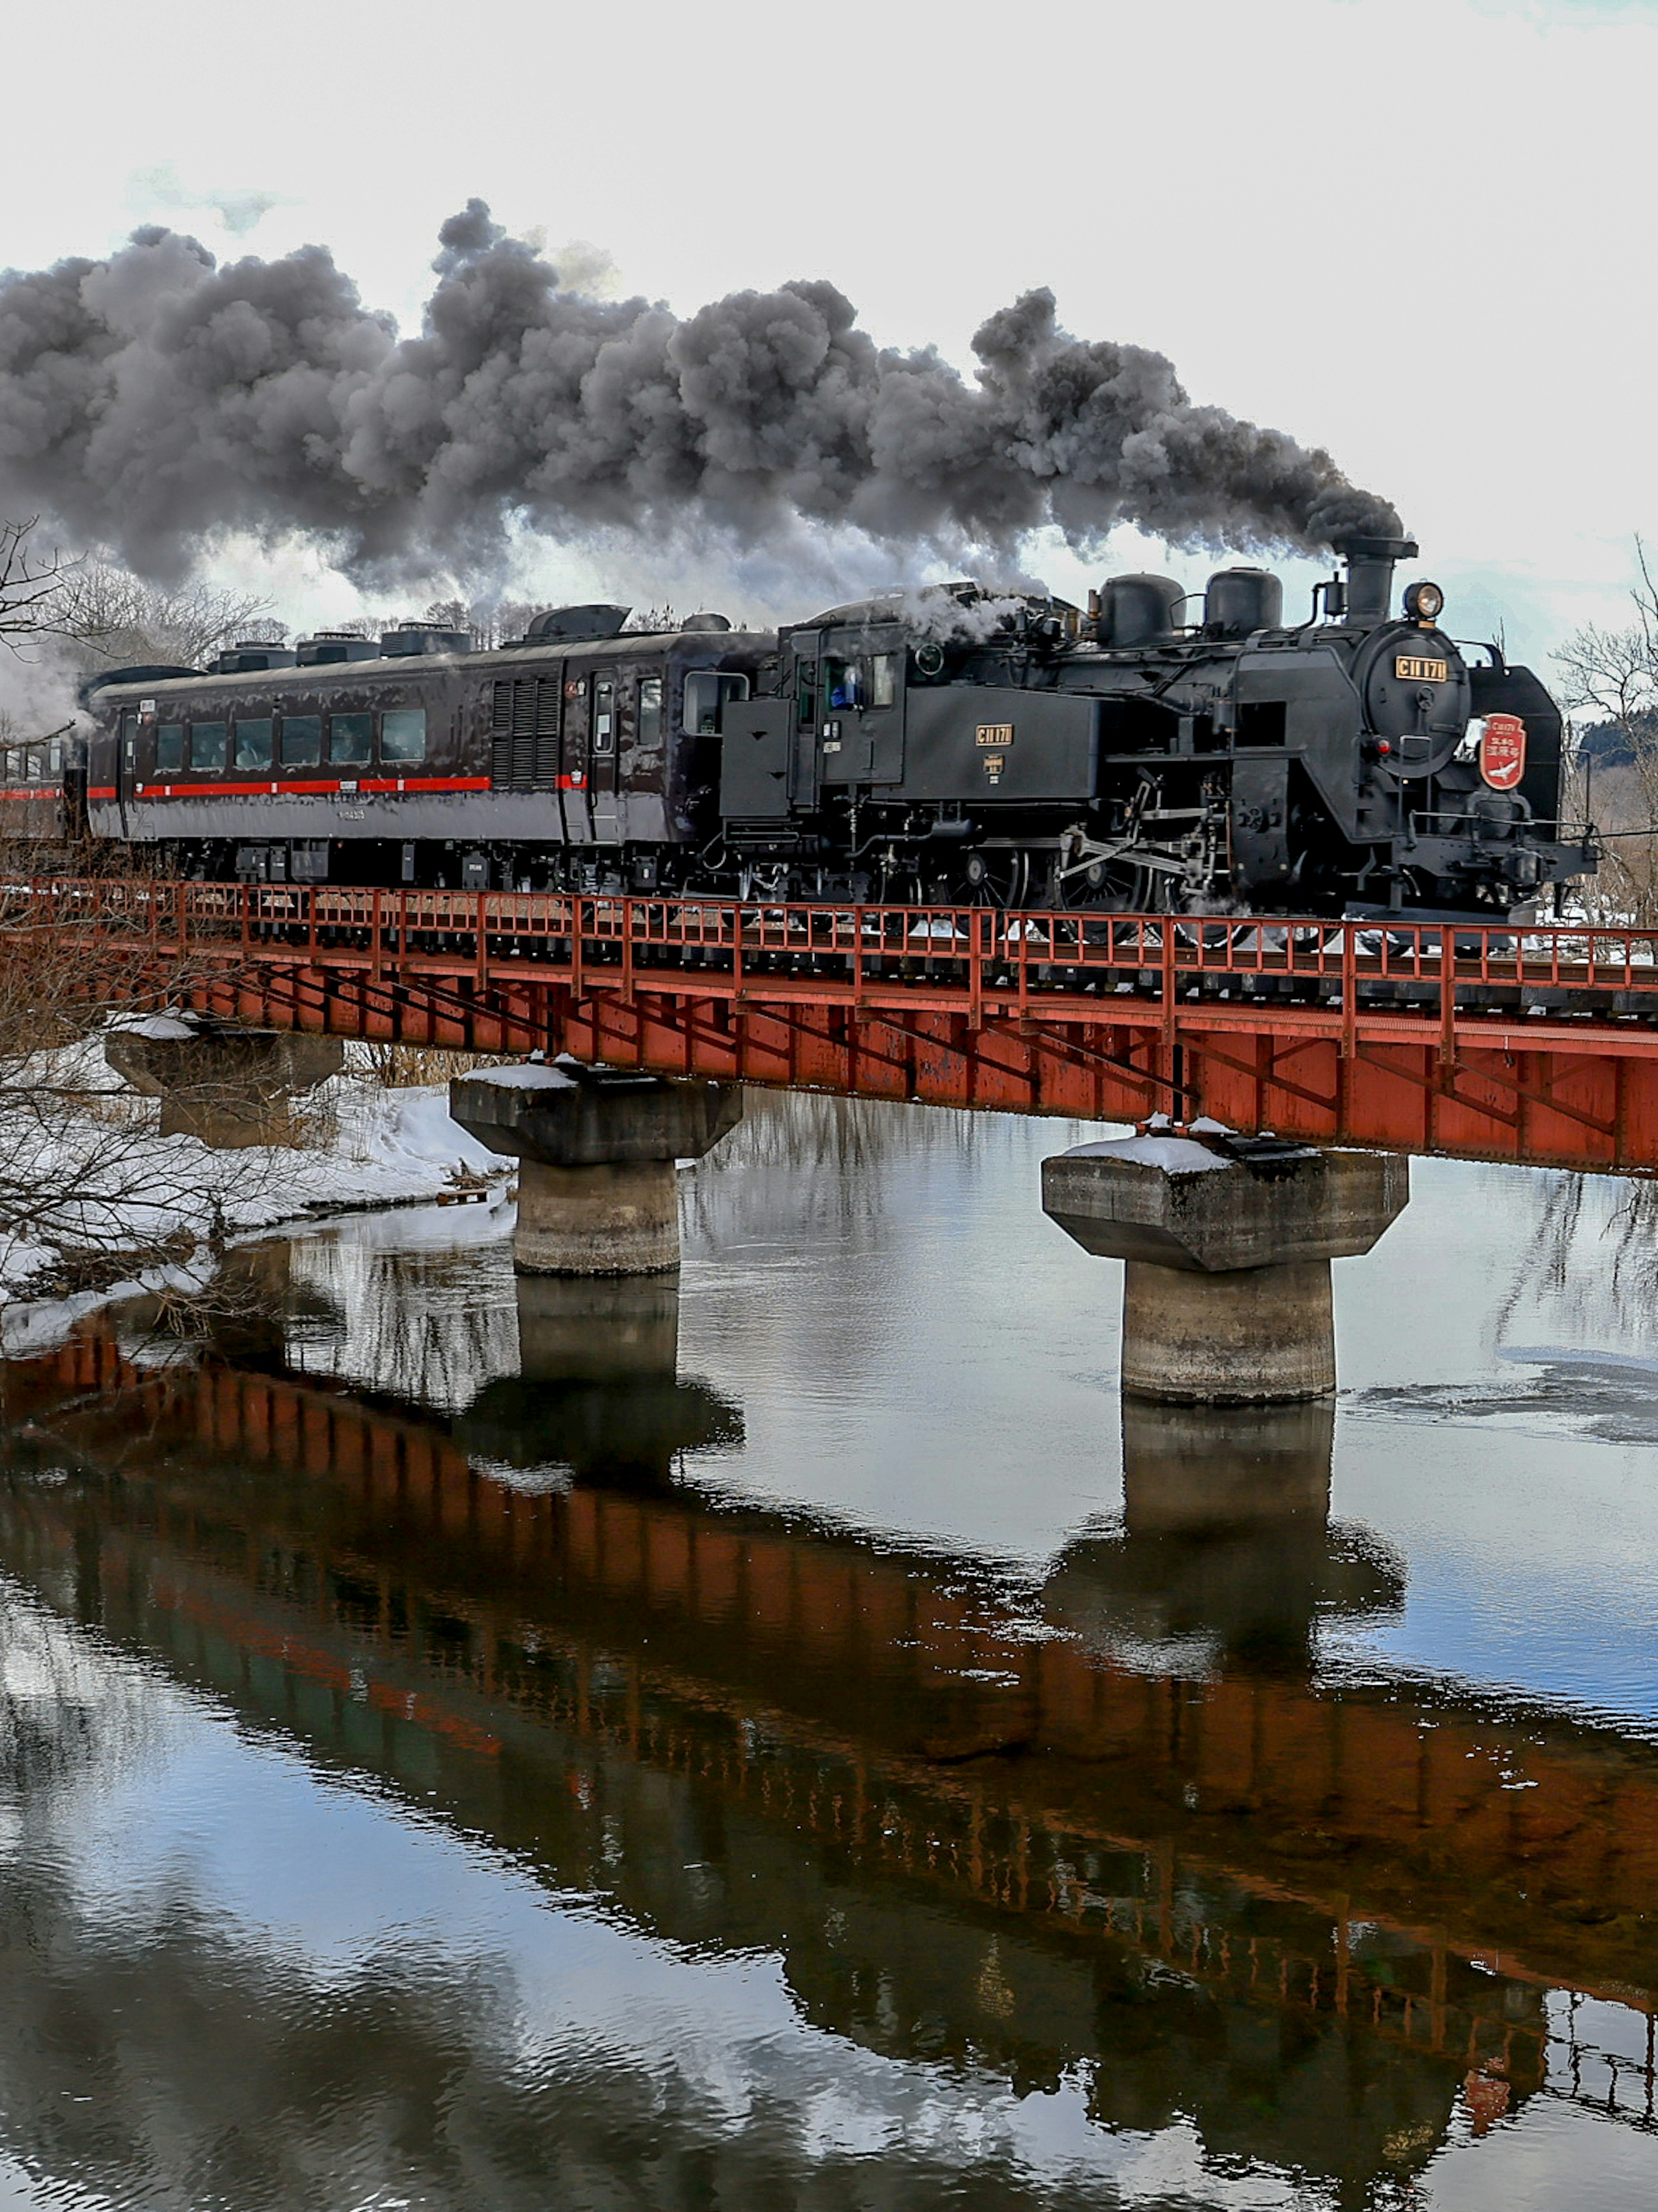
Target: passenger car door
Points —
{"points": [[603, 750]]}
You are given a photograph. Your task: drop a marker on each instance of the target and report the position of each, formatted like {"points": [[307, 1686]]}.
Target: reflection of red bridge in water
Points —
{"points": [[1537, 1045], [1419, 1868]]}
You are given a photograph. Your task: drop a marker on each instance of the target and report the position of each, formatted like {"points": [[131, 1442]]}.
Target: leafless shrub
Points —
{"points": [[401, 1067]]}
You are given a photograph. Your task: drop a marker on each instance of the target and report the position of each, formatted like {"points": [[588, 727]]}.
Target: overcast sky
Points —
{"points": [[1419, 232]]}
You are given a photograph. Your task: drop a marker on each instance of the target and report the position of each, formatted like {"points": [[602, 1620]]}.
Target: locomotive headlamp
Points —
{"points": [[1423, 602]]}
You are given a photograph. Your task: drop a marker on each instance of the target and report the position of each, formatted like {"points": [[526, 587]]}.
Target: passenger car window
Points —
{"points": [[208, 743], [403, 734], [301, 740], [650, 710], [253, 744], [350, 740], [169, 748]]}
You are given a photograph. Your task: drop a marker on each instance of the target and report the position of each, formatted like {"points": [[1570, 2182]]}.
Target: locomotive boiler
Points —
{"points": [[1154, 753]]}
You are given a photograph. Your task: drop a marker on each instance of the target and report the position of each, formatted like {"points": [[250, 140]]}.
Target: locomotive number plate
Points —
{"points": [[1409, 670], [995, 733]]}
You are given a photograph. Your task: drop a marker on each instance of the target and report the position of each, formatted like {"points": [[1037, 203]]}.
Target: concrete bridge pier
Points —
{"points": [[1227, 1242], [229, 1086], [596, 1148]]}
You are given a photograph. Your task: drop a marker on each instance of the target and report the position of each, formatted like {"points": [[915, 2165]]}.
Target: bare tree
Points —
{"points": [[29, 583], [490, 623], [1613, 674], [110, 617]]}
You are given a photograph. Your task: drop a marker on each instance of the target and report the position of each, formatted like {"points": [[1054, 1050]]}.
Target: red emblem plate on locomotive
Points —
{"points": [[1502, 752]]}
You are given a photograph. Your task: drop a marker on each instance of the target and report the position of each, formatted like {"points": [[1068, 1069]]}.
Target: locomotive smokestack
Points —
{"points": [[1370, 576]]}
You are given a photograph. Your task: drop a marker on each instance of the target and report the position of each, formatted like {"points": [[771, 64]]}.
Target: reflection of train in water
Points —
{"points": [[962, 1841], [956, 748]]}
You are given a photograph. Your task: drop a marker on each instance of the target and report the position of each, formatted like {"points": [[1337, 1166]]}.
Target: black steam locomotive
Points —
{"points": [[950, 747]]}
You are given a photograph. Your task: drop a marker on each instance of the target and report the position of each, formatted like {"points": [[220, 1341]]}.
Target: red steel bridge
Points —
{"points": [[1536, 1044]]}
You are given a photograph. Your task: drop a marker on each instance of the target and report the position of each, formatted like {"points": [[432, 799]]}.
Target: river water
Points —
{"points": [[796, 1742]]}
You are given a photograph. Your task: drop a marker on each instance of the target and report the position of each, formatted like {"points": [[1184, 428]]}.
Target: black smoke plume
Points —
{"points": [[154, 400]]}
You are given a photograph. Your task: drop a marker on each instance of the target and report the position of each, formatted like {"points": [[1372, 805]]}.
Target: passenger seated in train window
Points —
{"points": [[842, 688], [650, 710], [169, 748], [253, 748], [350, 740], [884, 679], [301, 740], [403, 735], [208, 742]]}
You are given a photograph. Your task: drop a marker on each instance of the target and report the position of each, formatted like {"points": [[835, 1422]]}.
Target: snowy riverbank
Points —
{"points": [[93, 1200]]}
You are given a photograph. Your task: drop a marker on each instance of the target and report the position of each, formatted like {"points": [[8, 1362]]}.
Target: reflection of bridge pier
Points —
{"points": [[597, 1394], [1225, 1536]]}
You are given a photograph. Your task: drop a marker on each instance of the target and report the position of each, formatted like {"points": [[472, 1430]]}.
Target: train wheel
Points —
{"points": [[1001, 879], [1112, 886]]}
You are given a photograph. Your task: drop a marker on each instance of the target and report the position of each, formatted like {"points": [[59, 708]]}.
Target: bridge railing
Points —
{"points": [[981, 951]]}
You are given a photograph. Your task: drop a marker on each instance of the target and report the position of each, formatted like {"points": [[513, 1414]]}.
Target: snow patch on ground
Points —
{"points": [[91, 1181]]}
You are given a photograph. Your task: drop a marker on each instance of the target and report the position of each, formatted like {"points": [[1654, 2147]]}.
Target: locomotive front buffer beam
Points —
{"points": [[1227, 1242]]}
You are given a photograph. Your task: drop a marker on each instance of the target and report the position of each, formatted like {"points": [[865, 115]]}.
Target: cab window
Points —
{"points": [[253, 743], [806, 681], [842, 691], [301, 740], [208, 743], [403, 734], [169, 748], [350, 740], [884, 679]]}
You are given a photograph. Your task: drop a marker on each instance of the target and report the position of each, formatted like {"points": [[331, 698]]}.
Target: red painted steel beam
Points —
{"points": [[1538, 1045]]}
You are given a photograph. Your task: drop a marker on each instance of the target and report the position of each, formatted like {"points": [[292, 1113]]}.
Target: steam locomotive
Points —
{"points": [[950, 746]]}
